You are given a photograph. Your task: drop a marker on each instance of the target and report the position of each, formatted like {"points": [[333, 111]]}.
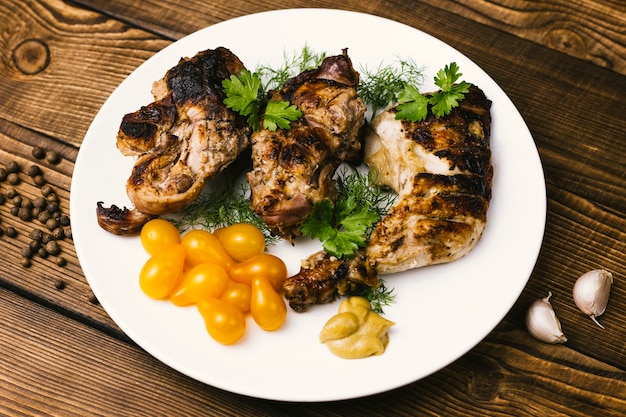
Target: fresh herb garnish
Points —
{"points": [[382, 86], [343, 226], [414, 105], [378, 297], [306, 59], [213, 209], [244, 95]]}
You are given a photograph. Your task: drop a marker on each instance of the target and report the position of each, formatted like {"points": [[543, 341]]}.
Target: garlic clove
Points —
{"points": [[591, 293], [542, 323]]}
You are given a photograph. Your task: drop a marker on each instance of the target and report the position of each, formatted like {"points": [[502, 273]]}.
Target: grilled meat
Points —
{"points": [[293, 169], [441, 169], [184, 137], [322, 278]]}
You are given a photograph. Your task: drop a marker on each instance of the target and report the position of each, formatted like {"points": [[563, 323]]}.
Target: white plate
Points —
{"points": [[441, 311]]}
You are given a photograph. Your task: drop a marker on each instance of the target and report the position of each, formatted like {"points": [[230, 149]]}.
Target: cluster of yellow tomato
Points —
{"points": [[226, 274]]}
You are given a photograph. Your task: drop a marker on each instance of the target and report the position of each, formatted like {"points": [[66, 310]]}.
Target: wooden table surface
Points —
{"points": [[563, 64]]}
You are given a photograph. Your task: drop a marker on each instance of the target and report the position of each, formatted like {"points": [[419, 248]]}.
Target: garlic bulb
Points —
{"points": [[591, 293], [542, 323]]}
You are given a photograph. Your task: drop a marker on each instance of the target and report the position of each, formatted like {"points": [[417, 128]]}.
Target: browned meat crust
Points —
{"points": [[442, 171], [121, 221], [293, 169], [322, 278], [184, 137]]}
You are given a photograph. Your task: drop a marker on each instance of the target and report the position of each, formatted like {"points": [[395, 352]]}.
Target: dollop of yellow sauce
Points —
{"points": [[356, 331]]}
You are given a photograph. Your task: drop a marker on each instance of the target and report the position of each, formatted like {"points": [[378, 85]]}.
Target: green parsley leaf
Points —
{"points": [[343, 227], [280, 114], [242, 92], [414, 105], [414, 108]]}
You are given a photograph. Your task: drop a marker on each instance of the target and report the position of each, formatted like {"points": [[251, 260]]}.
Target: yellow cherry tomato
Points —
{"points": [[263, 265], [200, 282], [162, 272], [224, 321], [241, 240], [203, 247], [267, 307], [158, 234], [239, 295]]}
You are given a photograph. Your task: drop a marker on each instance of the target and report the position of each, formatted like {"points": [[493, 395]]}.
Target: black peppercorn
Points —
{"points": [[36, 234], [34, 170], [38, 152], [64, 220], [27, 252], [3, 174], [24, 214], [42, 252], [26, 262], [13, 167], [53, 157], [13, 178], [46, 190], [10, 193], [39, 181], [58, 233], [11, 232], [15, 210], [60, 261], [40, 202], [53, 247], [52, 224], [59, 284]]}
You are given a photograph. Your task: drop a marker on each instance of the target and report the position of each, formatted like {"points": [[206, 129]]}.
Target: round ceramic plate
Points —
{"points": [[440, 311]]}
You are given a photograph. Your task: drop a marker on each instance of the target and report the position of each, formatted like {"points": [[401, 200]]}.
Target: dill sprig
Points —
{"points": [[304, 60], [379, 297], [362, 187], [220, 208], [381, 87]]}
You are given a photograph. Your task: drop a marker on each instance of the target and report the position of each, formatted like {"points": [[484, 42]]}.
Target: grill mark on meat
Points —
{"points": [[441, 169], [293, 169], [184, 137]]}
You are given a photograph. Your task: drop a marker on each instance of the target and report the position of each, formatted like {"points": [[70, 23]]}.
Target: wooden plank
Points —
{"points": [[52, 52], [592, 30], [52, 365]]}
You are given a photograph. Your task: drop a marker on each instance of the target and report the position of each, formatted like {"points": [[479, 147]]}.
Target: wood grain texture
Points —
{"points": [[46, 376], [592, 30], [70, 356], [89, 55]]}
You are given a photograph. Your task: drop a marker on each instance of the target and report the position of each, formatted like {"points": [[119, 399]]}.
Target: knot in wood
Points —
{"points": [[483, 386], [31, 56]]}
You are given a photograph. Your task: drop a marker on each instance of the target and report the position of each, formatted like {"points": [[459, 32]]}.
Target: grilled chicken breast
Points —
{"points": [[441, 169], [184, 137], [293, 169]]}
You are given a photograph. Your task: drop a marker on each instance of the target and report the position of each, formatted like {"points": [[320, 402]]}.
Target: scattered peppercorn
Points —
{"points": [[52, 208], [13, 178], [67, 231], [2, 199], [47, 237], [60, 261], [42, 253], [39, 180], [36, 234], [34, 170], [52, 224], [26, 262], [53, 248], [43, 217], [53, 157], [46, 190], [24, 214], [58, 233], [11, 192], [38, 152], [27, 252], [11, 232], [34, 245], [27, 203], [59, 284], [93, 299], [13, 167], [40, 202], [3, 174], [64, 220]]}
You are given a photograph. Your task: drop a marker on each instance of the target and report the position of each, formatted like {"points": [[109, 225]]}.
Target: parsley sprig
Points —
{"points": [[414, 105], [344, 226], [245, 96]]}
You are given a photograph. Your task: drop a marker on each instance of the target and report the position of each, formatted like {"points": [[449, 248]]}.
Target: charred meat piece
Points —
{"points": [[322, 278], [185, 136], [121, 221], [441, 169], [293, 169]]}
